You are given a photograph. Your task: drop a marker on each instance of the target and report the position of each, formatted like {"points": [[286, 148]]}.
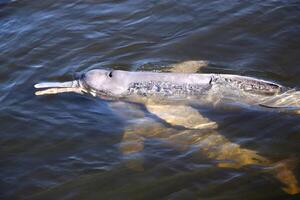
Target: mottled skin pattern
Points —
{"points": [[153, 88], [119, 83], [166, 89], [249, 85]]}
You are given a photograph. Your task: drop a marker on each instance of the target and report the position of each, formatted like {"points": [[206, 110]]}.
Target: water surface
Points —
{"points": [[68, 146]]}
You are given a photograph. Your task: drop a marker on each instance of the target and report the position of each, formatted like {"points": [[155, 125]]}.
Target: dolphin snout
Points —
{"points": [[58, 87]]}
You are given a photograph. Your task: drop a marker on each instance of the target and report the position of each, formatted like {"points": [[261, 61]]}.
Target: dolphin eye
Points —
{"points": [[110, 74]]}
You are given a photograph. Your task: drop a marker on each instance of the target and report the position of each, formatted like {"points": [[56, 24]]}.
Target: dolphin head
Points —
{"points": [[107, 84]]}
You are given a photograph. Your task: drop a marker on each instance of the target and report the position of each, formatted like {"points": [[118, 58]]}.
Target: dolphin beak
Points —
{"points": [[58, 87]]}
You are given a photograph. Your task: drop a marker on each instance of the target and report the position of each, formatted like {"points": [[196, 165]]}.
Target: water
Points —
{"points": [[79, 147]]}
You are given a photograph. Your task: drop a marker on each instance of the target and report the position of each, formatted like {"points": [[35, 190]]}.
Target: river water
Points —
{"points": [[72, 146]]}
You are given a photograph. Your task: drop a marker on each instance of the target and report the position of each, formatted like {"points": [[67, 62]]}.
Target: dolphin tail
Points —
{"points": [[284, 172], [284, 109], [58, 87]]}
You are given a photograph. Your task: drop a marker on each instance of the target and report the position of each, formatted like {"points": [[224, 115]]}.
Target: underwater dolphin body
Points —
{"points": [[154, 89]]}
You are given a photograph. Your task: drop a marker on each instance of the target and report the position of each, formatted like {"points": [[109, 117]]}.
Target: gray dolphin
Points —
{"points": [[137, 86], [158, 91]]}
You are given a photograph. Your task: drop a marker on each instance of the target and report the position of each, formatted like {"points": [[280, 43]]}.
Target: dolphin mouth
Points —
{"points": [[77, 86], [106, 95], [59, 87]]}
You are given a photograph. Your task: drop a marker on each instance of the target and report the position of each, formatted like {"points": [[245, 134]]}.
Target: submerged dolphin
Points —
{"points": [[157, 90]]}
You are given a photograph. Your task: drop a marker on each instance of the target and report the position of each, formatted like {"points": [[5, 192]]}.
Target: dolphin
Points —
{"points": [[175, 87], [158, 92]]}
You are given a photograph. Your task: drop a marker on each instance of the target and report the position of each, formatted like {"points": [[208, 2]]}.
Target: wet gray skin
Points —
{"points": [[141, 86], [159, 92]]}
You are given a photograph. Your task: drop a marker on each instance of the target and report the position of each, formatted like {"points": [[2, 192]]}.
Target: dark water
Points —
{"points": [[68, 146]]}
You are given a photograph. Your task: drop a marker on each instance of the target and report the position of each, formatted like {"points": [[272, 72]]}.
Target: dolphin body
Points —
{"points": [[153, 89], [137, 86]]}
